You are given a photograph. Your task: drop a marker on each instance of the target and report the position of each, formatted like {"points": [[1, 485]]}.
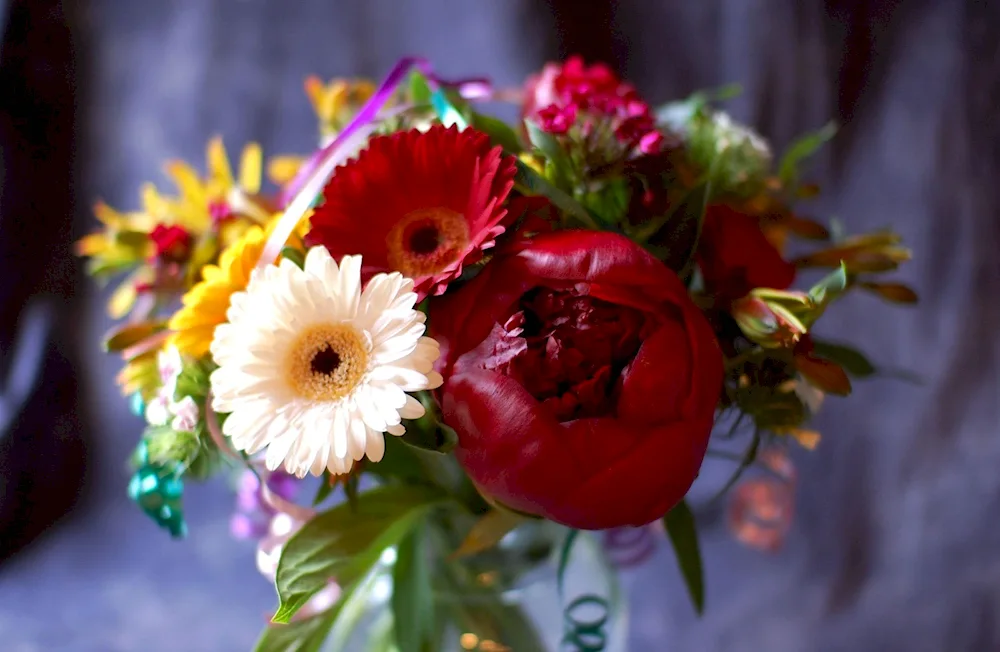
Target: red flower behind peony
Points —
{"points": [[735, 256], [581, 380], [423, 204]]}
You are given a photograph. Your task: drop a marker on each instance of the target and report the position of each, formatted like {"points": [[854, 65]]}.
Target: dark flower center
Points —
{"points": [[425, 240], [568, 350], [325, 361]]}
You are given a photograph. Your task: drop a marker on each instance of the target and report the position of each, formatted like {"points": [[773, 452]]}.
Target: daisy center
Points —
{"points": [[327, 362], [426, 241]]}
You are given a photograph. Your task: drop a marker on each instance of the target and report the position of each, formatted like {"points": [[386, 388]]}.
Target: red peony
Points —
{"points": [[735, 256], [561, 92], [581, 380], [423, 204]]}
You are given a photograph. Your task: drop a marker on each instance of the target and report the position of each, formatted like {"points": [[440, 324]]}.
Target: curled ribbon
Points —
{"points": [[585, 617], [313, 176]]}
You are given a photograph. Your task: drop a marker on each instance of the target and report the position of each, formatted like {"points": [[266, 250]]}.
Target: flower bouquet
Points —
{"points": [[484, 340]]}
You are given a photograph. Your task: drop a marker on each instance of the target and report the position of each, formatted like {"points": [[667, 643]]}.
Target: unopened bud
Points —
{"points": [[766, 323]]}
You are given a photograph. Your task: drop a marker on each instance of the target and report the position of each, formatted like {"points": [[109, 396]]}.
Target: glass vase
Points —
{"points": [[521, 596]]}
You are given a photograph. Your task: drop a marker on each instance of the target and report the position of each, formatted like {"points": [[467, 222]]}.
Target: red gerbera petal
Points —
{"points": [[423, 204]]}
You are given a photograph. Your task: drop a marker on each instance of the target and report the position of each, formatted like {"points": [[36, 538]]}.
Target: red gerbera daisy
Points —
{"points": [[422, 204]]}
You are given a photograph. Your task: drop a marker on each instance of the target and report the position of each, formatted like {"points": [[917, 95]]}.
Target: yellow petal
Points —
{"points": [[808, 439], [218, 163], [251, 164], [314, 91], [282, 169], [91, 245], [153, 202], [187, 182], [108, 216], [122, 299]]}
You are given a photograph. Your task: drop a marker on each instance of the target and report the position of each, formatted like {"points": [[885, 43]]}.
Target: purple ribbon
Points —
{"points": [[314, 174]]}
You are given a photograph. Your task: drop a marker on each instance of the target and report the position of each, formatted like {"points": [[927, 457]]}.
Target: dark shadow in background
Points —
{"points": [[42, 456]]}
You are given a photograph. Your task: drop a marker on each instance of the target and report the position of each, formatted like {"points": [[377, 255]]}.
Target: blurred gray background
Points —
{"points": [[896, 542]]}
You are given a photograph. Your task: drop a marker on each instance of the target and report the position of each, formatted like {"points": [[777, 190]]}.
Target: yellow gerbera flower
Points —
{"points": [[205, 304]]}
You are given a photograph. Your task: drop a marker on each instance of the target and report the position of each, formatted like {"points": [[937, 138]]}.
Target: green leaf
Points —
{"points": [[800, 150], [500, 132], [683, 533], [683, 229], [532, 183], [853, 361], [412, 598], [428, 432], [295, 255], [488, 531], [324, 490], [301, 636], [830, 286], [311, 634], [610, 202], [420, 91], [546, 143], [345, 544]]}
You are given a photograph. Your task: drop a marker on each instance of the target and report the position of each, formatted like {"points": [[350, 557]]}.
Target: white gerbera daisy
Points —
{"points": [[314, 369]]}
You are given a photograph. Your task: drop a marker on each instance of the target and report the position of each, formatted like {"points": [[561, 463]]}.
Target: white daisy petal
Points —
{"points": [[340, 434], [376, 446], [413, 409], [356, 439], [313, 368]]}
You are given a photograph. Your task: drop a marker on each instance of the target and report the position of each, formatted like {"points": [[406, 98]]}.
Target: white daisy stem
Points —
{"points": [[279, 504], [212, 423]]}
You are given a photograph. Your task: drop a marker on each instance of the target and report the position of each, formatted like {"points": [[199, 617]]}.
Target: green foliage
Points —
{"points": [[682, 229], [830, 287], [790, 167], [610, 202], [324, 490], [344, 544], [500, 132], [853, 361], [194, 379], [429, 432], [297, 256], [420, 90], [683, 532], [559, 167], [531, 183], [412, 597], [306, 635]]}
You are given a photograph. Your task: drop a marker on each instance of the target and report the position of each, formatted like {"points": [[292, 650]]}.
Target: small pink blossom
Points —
{"points": [[557, 120]]}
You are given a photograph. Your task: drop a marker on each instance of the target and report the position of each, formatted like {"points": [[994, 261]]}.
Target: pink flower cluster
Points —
{"points": [[564, 93]]}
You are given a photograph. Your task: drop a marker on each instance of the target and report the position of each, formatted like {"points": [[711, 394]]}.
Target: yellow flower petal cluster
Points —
{"points": [[205, 304]]}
